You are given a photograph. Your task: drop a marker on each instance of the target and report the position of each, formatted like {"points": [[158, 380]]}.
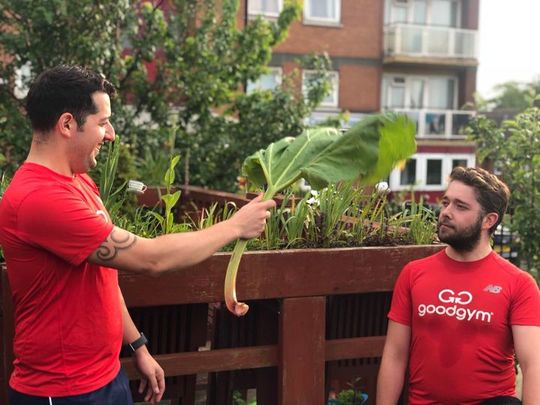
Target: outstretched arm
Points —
{"points": [[394, 364], [126, 251]]}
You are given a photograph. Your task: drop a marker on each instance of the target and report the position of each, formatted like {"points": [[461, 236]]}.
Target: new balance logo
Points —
{"points": [[494, 289]]}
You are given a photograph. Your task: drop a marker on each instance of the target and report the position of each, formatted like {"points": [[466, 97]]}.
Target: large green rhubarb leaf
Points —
{"points": [[367, 152]]}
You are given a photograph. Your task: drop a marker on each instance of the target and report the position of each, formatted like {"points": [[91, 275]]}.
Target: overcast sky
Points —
{"points": [[509, 42]]}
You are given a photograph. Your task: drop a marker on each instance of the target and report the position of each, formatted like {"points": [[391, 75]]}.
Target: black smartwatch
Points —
{"points": [[142, 340]]}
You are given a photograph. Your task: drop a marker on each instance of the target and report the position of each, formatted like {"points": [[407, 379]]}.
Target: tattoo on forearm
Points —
{"points": [[110, 248]]}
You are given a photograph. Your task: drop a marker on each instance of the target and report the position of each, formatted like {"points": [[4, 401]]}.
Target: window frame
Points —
{"points": [[277, 71], [388, 81], [335, 88], [266, 14], [308, 19], [421, 171], [409, 6]]}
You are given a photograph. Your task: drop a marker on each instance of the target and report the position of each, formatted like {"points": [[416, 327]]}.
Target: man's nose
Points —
{"points": [[445, 212], [110, 134]]}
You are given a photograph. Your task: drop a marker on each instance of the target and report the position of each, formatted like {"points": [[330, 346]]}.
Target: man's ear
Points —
{"points": [[490, 219], [66, 124]]}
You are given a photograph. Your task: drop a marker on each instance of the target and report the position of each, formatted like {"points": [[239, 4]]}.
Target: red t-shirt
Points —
{"points": [[460, 314], [68, 320]]}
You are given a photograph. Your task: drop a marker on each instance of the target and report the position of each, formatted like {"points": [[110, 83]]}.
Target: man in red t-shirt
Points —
{"points": [[62, 252], [458, 317]]}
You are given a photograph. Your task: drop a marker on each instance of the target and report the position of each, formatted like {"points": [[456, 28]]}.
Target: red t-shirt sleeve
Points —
{"points": [[61, 222], [525, 306], [401, 307]]}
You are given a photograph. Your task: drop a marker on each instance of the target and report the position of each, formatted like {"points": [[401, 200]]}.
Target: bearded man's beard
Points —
{"points": [[462, 240]]}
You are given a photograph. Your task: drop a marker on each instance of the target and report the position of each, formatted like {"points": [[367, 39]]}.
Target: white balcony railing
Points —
{"points": [[439, 124], [430, 41]]}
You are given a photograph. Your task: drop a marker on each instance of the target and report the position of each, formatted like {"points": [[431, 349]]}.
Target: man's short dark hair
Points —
{"points": [[491, 193], [64, 89]]}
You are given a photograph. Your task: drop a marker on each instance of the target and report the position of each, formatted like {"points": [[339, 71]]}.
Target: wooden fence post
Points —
{"points": [[302, 351]]}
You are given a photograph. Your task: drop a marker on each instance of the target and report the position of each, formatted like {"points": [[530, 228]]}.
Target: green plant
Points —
{"points": [[170, 199], [108, 175], [514, 148], [350, 396], [4, 182], [200, 59], [367, 151]]}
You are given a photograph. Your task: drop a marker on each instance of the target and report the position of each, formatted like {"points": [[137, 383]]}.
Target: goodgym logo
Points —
{"points": [[453, 304]]}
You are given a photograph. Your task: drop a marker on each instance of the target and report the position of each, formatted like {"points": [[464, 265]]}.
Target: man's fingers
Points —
{"points": [[142, 385], [269, 204], [153, 387], [161, 384]]}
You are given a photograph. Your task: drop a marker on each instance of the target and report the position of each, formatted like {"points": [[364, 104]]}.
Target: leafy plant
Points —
{"points": [[350, 396], [368, 151], [170, 199], [4, 182], [108, 174], [514, 148], [174, 64]]}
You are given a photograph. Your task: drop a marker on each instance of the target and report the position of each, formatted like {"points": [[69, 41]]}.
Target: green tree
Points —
{"points": [[37, 35], [515, 150], [512, 97], [180, 76]]}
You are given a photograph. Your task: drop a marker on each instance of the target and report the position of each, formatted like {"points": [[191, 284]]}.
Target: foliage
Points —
{"points": [[368, 151], [515, 148], [514, 96], [4, 181], [45, 34], [350, 396], [170, 199], [174, 72]]}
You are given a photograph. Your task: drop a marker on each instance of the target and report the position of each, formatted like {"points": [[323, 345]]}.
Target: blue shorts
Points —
{"points": [[117, 392]]}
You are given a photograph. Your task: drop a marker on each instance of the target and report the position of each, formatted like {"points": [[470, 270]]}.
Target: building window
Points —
{"points": [[434, 172], [442, 13], [266, 81], [408, 174], [428, 171], [459, 163], [328, 11], [268, 8], [441, 93], [414, 92], [332, 99]]}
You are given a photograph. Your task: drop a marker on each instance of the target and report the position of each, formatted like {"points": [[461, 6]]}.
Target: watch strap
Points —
{"points": [[142, 340]]}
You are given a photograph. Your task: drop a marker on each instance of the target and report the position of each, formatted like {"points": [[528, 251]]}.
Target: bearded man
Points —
{"points": [[458, 317]]}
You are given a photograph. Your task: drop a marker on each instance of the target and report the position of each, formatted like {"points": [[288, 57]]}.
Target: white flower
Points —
{"points": [[382, 187]]}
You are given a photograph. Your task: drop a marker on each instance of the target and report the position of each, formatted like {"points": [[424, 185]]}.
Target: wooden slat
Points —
{"points": [[301, 372], [277, 274], [187, 363], [354, 348], [212, 360]]}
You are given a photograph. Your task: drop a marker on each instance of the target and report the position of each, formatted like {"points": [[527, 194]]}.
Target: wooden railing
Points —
{"points": [[299, 283]]}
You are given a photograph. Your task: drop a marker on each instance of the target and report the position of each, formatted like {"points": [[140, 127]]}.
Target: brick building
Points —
{"points": [[419, 57]]}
